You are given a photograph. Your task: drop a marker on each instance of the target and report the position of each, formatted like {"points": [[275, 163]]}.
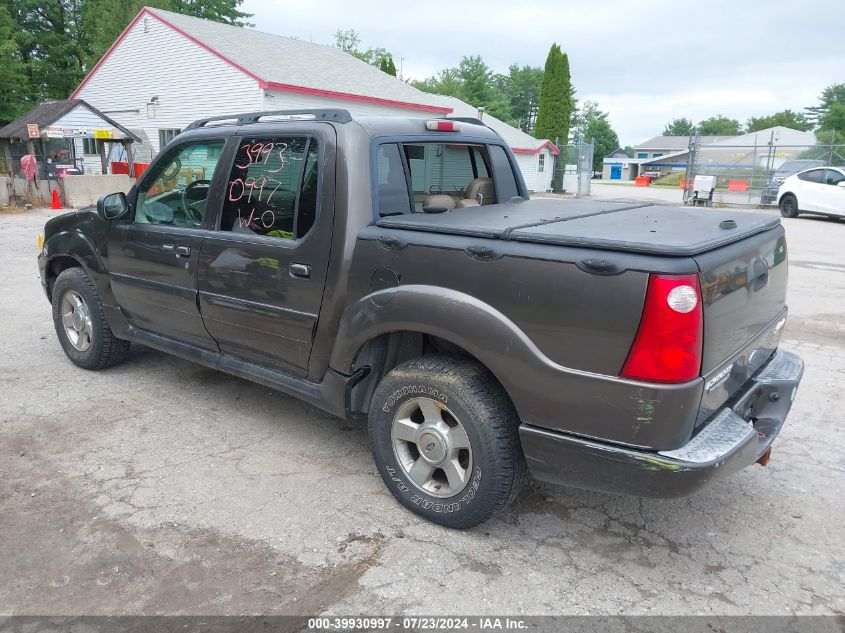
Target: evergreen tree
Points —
{"points": [[830, 95], [386, 65], [555, 104]]}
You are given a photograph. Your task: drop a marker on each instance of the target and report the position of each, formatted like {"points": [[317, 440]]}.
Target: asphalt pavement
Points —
{"points": [[162, 487]]}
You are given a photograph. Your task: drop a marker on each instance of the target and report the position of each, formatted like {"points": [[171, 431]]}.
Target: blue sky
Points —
{"points": [[645, 63]]}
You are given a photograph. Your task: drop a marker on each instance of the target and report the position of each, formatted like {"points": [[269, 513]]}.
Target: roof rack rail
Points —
{"points": [[324, 114]]}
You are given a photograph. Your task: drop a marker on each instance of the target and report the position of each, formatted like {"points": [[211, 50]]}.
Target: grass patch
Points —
{"points": [[672, 179]]}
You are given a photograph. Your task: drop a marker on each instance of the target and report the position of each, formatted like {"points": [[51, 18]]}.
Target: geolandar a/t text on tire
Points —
{"points": [[444, 438]]}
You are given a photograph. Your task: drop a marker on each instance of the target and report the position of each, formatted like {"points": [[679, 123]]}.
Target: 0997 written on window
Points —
{"points": [[272, 189]]}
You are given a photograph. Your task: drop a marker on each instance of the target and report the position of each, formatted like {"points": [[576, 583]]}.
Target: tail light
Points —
{"points": [[667, 347]]}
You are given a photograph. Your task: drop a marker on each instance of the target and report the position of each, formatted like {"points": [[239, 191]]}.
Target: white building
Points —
{"points": [[166, 70]]}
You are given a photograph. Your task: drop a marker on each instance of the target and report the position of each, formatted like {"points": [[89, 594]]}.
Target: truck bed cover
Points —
{"points": [[640, 228]]}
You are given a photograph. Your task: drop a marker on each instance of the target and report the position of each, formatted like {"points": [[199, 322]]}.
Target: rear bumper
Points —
{"points": [[734, 437]]}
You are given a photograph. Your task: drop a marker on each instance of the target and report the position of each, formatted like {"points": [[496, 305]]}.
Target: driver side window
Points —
{"points": [[176, 193]]}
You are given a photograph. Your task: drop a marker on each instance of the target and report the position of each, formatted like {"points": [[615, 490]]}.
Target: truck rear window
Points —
{"points": [[434, 177]]}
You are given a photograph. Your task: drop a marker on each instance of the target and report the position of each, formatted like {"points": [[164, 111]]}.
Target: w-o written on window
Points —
{"points": [[272, 189]]}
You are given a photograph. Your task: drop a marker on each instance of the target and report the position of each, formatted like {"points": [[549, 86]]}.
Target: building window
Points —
{"points": [[657, 154], [642, 155], [89, 147], [541, 162], [165, 136]]}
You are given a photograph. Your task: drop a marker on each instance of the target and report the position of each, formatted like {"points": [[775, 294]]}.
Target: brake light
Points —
{"points": [[443, 126], [667, 347]]}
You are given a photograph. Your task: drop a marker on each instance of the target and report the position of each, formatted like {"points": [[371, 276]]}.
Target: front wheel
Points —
{"points": [[444, 438], [789, 206], [81, 325]]}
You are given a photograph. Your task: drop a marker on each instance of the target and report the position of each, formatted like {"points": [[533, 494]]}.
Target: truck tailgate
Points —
{"points": [[743, 287]]}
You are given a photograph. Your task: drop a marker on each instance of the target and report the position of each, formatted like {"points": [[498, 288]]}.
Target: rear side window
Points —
{"points": [[814, 175], [272, 188], [832, 177], [391, 183]]}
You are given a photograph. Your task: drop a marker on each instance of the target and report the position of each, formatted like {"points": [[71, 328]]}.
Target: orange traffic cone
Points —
{"points": [[55, 204]]}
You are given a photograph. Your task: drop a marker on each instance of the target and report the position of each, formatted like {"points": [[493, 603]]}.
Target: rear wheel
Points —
{"points": [[81, 325], [789, 206], [444, 438]]}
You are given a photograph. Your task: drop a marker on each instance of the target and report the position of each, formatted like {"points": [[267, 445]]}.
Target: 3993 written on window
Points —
{"points": [[272, 189]]}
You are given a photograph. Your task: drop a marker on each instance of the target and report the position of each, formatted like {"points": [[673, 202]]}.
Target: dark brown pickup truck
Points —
{"points": [[396, 269]]}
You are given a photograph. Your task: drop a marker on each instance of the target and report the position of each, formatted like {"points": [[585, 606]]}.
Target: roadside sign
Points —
{"points": [[54, 132], [102, 133], [32, 130]]}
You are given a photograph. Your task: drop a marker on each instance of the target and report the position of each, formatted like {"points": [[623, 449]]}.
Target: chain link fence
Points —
{"points": [[751, 175], [574, 168]]}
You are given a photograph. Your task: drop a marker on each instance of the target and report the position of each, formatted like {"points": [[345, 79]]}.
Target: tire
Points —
{"points": [[454, 411], [81, 325], [789, 206]]}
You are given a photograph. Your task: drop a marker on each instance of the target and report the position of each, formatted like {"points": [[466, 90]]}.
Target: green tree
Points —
{"points": [[833, 119], [386, 65], [58, 41], [718, 126], [590, 123], [51, 44], [629, 151], [473, 82], [555, 103], [786, 118], [679, 127], [830, 95], [521, 88], [583, 116], [445, 82], [350, 42], [604, 140], [479, 89], [225, 11], [13, 99]]}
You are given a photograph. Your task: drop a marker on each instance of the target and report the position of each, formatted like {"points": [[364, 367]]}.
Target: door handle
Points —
{"points": [[300, 270], [183, 251]]}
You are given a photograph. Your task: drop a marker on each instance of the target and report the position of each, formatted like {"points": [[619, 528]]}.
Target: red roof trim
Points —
{"points": [[526, 150], [261, 82], [271, 85]]}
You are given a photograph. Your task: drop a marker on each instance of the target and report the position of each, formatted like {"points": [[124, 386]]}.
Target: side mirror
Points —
{"points": [[841, 183], [112, 206]]}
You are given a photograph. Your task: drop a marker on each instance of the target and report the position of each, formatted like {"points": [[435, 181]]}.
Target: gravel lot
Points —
{"points": [[161, 487]]}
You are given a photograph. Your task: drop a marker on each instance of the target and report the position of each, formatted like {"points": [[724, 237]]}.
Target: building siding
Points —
{"points": [[190, 82], [82, 118]]}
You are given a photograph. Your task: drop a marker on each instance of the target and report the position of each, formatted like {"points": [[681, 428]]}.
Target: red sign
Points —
{"points": [[32, 130]]}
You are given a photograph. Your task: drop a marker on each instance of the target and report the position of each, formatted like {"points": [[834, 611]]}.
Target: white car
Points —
{"points": [[820, 190]]}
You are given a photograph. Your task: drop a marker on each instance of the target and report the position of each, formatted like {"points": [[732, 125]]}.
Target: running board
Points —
{"points": [[331, 395]]}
